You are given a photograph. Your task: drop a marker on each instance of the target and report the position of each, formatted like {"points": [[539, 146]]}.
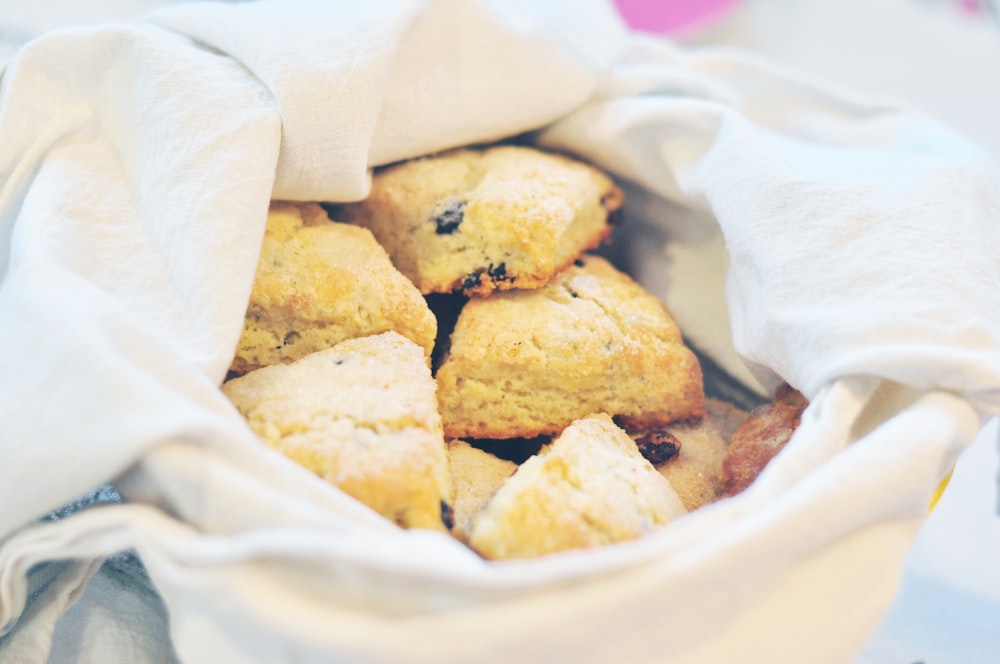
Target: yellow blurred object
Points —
{"points": [[939, 490]]}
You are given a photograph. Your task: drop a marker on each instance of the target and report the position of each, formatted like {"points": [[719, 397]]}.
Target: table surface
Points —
{"points": [[942, 56]]}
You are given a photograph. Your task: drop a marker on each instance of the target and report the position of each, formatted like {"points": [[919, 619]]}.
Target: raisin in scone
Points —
{"points": [[476, 475], [479, 220], [320, 282], [590, 488], [528, 362], [363, 416]]}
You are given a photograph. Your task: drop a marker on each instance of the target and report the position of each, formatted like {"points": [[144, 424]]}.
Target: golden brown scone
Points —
{"points": [[478, 220], [528, 362], [318, 283], [695, 468], [476, 476], [764, 433], [590, 488], [363, 416]]}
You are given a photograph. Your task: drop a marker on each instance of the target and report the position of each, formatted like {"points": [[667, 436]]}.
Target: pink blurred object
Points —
{"points": [[673, 17]]}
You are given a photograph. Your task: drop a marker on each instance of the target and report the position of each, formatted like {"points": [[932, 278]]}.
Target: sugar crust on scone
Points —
{"points": [[320, 282], [589, 488], [361, 415], [528, 362], [695, 472], [479, 220]]}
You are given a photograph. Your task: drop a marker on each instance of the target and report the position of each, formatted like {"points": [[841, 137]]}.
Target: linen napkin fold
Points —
{"points": [[137, 162]]}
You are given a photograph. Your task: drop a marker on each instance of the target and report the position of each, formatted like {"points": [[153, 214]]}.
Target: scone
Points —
{"points": [[694, 467], [479, 220], [758, 439], [362, 415], [528, 362], [590, 488], [318, 283], [476, 475]]}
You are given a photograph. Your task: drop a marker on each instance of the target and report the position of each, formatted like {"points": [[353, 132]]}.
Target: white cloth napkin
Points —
{"points": [[136, 163]]}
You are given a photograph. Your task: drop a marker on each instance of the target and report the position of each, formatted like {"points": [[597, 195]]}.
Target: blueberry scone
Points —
{"points": [[528, 362], [320, 282], [591, 487], [479, 220], [363, 416]]}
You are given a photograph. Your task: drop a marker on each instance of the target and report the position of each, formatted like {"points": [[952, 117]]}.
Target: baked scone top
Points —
{"points": [[320, 282], [590, 487], [528, 362], [479, 220], [695, 472], [363, 416]]}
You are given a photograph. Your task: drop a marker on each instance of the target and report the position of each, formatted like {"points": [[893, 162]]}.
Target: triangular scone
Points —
{"points": [[527, 363], [476, 475], [479, 220], [363, 416], [320, 282], [590, 488]]}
